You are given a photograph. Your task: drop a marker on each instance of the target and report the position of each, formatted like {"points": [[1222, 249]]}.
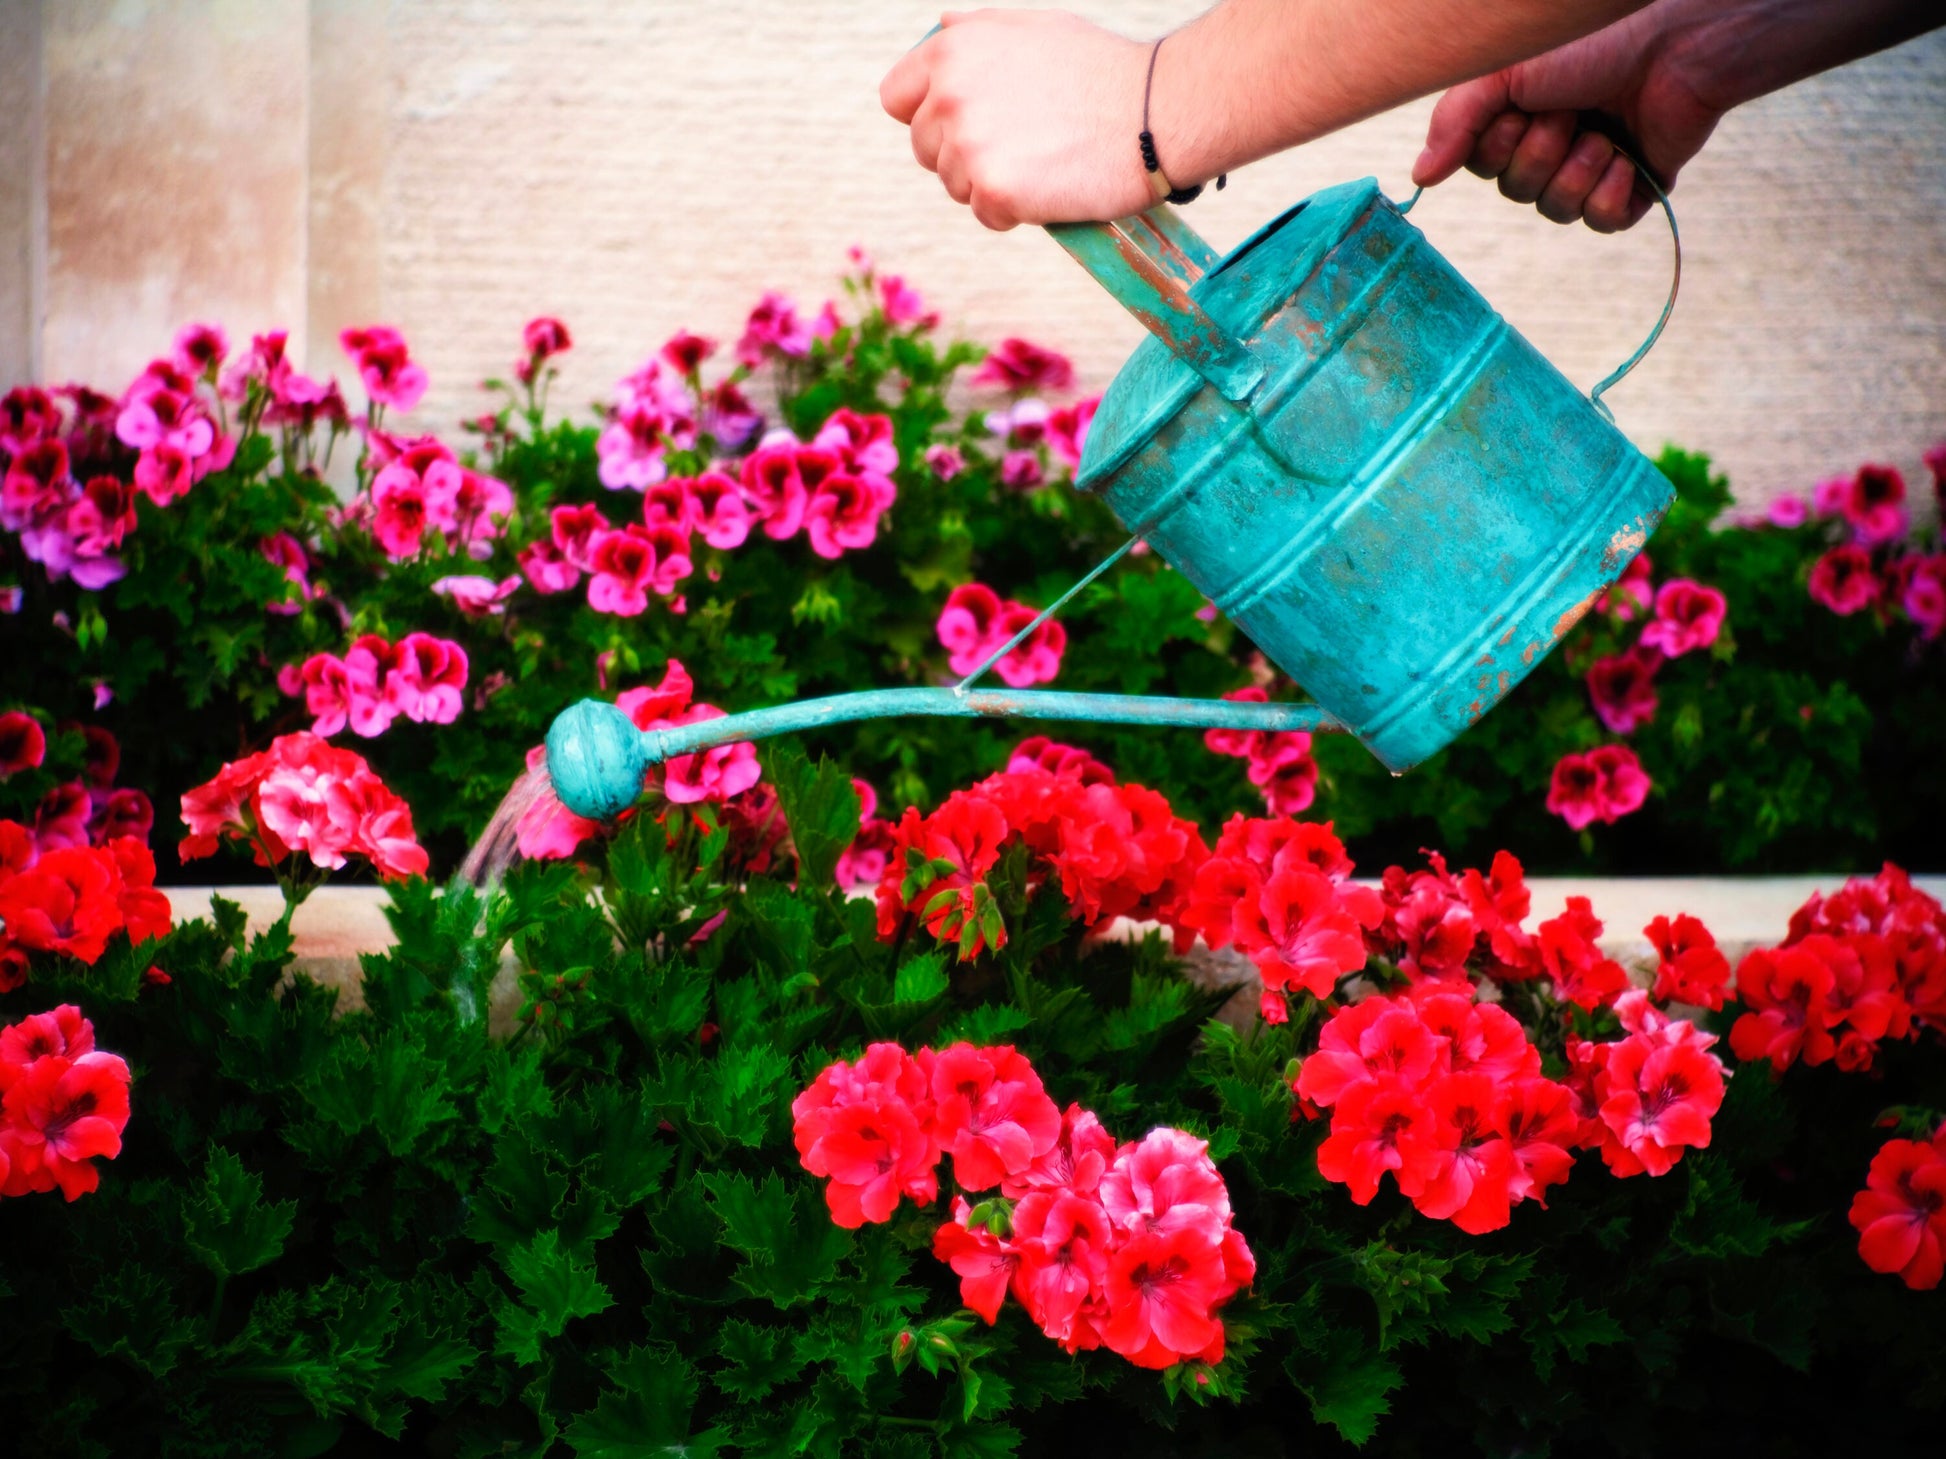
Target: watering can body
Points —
{"points": [[1342, 445]]}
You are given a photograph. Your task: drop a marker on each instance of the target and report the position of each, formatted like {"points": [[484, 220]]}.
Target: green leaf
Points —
{"points": [[521, 1195], [1719, 1221], [645, 1412], [821, 808], [1350, 1390], [555, 1286], [920, 979], [758, 1358], [789, 1239], [388, 1085], [131, 1314], [638, 858], [228, 1225], [779, 926]]}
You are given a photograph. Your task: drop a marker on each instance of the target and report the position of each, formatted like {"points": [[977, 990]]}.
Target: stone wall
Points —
{"points": [[455, 166]]}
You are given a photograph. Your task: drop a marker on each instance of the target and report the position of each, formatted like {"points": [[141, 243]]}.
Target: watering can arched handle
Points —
{"points": [[1147, 262]]}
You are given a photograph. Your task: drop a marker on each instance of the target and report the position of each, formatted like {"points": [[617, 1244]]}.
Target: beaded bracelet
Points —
{"points": [[1165, 191]]}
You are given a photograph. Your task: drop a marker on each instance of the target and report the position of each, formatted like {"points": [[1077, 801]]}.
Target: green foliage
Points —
{"points": [[585, 1231]]}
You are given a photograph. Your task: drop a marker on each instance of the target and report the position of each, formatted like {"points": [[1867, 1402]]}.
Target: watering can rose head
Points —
{"points": [[596, 758]]}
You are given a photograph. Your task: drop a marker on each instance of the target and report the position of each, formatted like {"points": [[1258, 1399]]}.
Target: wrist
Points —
{"points": [[1184, 110]]}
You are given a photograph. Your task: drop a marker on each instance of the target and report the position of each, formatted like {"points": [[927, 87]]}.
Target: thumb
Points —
{"points": [[1457, 122]]}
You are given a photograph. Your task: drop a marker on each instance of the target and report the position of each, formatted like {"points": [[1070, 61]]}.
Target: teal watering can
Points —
{"points": [[1336, 439]]}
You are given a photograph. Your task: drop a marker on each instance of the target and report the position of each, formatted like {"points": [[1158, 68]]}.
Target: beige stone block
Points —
{"points": [[175, 189], [22, 202], [337, 923]]}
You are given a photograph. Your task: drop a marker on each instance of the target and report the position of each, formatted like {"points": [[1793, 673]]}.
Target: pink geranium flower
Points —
{"points": [[574, 530], [478, 597], [546, 568], [773, 328], [1844, 581], [1632, 594], [628, 564], [384, 366], [426, 680], [729, 417], [774, 485], [200, 349], [966, 625], [1018, 366], [1923, 595], [686, 352], [843, 512], [1067, 430], [945, 462], [1787, 510], [28, 415], [718, 509], [1021, 470], [1603, 785], [1688, 615], [903, 304], [543, 338], [1874, 504], [399, 511], [285, 551], [328, 695]]}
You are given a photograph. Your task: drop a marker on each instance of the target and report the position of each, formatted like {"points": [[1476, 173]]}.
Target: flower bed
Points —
{"points": [[814, 510], [802, 1127], [762, 1167]]}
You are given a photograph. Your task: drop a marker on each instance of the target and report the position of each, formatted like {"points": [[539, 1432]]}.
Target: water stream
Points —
{"points": [[499, 844]]}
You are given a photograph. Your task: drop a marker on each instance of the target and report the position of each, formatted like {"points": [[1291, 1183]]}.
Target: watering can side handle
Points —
{"points": [[1668, 306]]}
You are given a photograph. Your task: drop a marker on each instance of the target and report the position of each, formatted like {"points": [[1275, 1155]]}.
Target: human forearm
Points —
{"points": [[1252, 77], [1734, 51]]}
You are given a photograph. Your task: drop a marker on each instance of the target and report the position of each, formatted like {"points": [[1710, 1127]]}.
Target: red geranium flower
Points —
{"points": [[990, 1112], [1689, 968], [23, 743], [985, 1265], [60, 1114], [67, 902], [1900, 1216], [868, 1127]]}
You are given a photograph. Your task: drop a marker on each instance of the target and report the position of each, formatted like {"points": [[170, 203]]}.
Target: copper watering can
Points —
{"points": [[1340, 443]]}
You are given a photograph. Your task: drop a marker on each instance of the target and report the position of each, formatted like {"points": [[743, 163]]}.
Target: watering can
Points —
{"points": [[1339, 443]]}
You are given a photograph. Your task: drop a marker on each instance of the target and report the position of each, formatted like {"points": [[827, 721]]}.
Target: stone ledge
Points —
{"points": [[337, 923]]}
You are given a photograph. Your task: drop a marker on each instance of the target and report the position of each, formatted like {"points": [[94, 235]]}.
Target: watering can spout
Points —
{"points": [[596, 757]]}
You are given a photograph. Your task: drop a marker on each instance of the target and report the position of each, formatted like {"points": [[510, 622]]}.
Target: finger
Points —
{"points": [[904, 88], [954, 174], [1454, 129], [1495, 149], [993, 212], [1539, 155], [1565, 197], [1606, 209], [928, 135]]}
